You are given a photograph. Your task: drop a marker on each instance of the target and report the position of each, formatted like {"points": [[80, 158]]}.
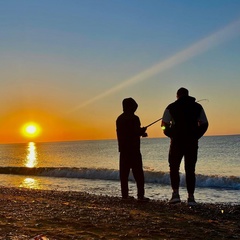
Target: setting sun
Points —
{"points": [[31, 130]]}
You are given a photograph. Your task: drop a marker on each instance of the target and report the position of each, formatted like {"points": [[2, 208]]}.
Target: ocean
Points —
{"points": [[92, 167]]}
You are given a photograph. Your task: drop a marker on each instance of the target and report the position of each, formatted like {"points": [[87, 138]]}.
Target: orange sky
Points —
{"points": [[56, 126]]}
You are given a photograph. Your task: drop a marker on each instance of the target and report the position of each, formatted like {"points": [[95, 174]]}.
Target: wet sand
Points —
{"points": [[25, 213]]}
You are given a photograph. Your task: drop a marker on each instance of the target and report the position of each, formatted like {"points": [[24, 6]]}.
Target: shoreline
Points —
{"points": [[58, 215], [111, 188]]}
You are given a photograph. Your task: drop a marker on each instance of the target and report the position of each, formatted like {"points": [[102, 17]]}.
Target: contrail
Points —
{"points": [[223, 35]]}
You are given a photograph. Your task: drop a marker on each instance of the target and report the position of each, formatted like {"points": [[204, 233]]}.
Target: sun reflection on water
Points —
{"points": [[31, 158], [30, 183]]}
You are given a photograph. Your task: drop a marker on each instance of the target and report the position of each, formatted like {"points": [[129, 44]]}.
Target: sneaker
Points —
{"points": [[175, 198], [143, 199], [191, 201]]}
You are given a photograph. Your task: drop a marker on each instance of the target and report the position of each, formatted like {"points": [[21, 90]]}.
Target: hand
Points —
{"points": [[145, 135], [143, 132]]}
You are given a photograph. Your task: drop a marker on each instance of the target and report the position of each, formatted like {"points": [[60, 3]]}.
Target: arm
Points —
{"points": [[166, 123], [141, 131], [202, 124]]}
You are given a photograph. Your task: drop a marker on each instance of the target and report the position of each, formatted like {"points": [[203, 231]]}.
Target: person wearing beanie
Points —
{"points": [[184, 122], [129, 131]]}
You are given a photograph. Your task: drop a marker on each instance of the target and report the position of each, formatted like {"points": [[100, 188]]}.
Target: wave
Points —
{"points": [[205, 181]]}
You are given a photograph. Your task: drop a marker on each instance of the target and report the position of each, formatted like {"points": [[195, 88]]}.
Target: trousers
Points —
{"points": [[178, 150], [128, 161]]}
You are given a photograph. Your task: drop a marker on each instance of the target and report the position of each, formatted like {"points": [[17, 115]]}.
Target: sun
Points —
{"points": [[31, 130]]}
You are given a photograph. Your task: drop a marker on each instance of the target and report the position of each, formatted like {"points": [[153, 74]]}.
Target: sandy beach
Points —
{"points": [[59, 215]]}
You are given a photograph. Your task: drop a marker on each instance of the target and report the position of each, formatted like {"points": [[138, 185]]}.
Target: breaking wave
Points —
{"points": [[204, 181]]}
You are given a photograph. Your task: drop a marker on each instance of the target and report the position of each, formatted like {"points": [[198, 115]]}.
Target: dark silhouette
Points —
{"points": [[184, 121], [129, 131]]}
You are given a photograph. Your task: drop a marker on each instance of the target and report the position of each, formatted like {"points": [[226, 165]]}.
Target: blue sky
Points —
{"points": [[75, 60]]}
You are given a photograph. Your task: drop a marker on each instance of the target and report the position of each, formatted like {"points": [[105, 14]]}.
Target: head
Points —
{"points": [[129, 105], [182, 92]]}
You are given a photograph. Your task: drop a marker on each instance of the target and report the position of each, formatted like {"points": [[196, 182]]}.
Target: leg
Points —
{"points": [[137, 170], [124, 173], [174, 158], [191, 152]]}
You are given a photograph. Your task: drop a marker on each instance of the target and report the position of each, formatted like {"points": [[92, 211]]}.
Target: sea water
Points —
{"points": [[93, 167]]}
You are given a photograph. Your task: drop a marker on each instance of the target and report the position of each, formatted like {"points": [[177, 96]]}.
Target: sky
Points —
{"points": [[66, 65]]}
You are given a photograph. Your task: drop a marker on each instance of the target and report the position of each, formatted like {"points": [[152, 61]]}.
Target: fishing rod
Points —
{"points": [[153, 122], [161, 118], [205, 99]]}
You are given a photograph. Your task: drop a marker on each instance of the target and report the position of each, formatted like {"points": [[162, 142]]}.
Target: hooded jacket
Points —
{"points": [[129, 128]]}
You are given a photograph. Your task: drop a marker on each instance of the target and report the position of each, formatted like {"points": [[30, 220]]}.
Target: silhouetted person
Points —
{"points": [[129, 131], [184, 121]]}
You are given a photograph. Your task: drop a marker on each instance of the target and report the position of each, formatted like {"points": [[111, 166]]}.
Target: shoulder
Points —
{"points": [[129, 117], [171, 105], [120, 117], [136, 117], [198, 106]]}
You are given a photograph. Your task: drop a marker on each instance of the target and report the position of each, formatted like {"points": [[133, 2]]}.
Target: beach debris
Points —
{"points": [[40, 237]]}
